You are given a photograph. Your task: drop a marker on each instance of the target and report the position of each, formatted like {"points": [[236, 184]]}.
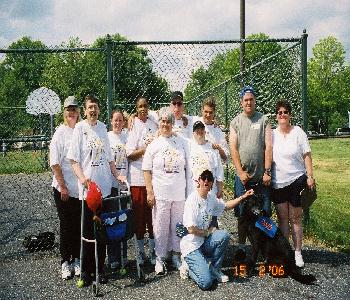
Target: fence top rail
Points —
{"points": [[50, 50], [238, 41]]}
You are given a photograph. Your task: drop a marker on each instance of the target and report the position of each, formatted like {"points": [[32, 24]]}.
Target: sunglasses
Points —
{"points": [[71, 108], [207, 177], [283, 112], [177, 103]]}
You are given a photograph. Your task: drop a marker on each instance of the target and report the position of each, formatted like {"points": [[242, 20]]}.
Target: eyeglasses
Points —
{"points": [[207, 177], [283, 112], [71, 108], [177, 103]]}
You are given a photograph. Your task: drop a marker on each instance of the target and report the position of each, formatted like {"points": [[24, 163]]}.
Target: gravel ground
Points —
{"points": [[27, 208]]}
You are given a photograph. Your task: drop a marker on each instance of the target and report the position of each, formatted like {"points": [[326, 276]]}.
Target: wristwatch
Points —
{"points": [[268, 171]]}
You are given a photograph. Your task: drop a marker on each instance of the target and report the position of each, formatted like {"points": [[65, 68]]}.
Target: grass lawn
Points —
{"points": [[23, 162], [330, 213]]}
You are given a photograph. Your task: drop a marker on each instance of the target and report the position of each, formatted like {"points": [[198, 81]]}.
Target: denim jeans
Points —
{"points": [[212, 250], [258, 188]]}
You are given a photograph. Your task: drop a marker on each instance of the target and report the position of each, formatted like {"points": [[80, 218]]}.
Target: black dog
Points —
{"points": [[276, 249]]}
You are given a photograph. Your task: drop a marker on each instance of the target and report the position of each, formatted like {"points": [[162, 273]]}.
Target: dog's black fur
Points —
{"points": [[276, 250]]}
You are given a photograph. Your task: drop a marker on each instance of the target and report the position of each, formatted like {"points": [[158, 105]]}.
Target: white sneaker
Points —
{"points": [[76, 266], [184, 270], [218, 275], [160, 268], [176, 261], [66, 271], [299, 259]]}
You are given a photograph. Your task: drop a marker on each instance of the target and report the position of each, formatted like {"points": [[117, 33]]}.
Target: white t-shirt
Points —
{"points": [[288, 151], [166, 158], [203, 157], [215, 135], [198, 212], [118, 153], [139, 134], [59, 146], [182, 131], [90, 148]]}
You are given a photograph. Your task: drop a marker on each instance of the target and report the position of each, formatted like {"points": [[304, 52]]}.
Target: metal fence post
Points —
{"points": [[304, 78], [109, 78]]}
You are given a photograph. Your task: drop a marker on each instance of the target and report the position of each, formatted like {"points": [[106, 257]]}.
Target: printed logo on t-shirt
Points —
{"points": [[119, 156], [255, 126], [172, 160], [97, 153], [200, 163]]}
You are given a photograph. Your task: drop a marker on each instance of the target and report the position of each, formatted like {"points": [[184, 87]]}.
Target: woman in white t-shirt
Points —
{"points": [[117, 140], [143, 132], [65, 190], [291, 173], [91, 160], [164, 170], [203, 248]]}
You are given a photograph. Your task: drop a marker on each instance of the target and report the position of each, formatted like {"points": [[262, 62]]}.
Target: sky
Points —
{"points": [[55, 21]]}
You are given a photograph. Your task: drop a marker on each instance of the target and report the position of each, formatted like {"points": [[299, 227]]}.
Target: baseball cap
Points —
{"points": [[94, 197], [70, 101], [177, 95], [198, 125], [247, 89]]}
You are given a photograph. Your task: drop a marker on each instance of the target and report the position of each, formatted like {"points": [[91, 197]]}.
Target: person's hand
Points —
{"points": [[121, 178], [311, 182], [216, 147], [211, 230], [247, 194], [86, 182], [151, 200], [184, 121], [266, 179], [219, 194], [64, 193], [244, 177]]}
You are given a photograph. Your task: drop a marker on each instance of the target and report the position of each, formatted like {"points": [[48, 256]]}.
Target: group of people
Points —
{"points": [[174, 165]]}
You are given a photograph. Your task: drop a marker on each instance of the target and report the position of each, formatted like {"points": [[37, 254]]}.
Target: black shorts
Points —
{"points": [[290, 193]]}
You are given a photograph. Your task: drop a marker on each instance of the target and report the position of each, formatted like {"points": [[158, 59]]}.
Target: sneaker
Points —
{"points": [[184, 270], [140, 258], [176, 261], [218, 275], [114, 266], [76, 267], [66, 271], [159, 267], [299, 259]]}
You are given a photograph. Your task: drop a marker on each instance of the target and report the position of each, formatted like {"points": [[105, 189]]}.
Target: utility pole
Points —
{"points": [[242, 37]]}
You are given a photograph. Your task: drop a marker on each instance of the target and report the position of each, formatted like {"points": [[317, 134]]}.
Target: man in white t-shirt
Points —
{"points": [[203, 248]]}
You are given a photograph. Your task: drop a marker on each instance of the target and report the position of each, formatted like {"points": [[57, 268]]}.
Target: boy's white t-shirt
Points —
{"points": [[180, 129], [288, 156], [118, 153], [166, 159], [215, 135], [90, 148], [140, 133], [198, 212], [59, 146], [203, 157]]}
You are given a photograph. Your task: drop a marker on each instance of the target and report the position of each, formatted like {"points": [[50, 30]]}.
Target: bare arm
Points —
{"points": [[57, 171], [243, 175], [222, 153], [200, 232], [268, 154], [234, 202], [79, 173], [148, 182], [136, 154], [309, 170]]}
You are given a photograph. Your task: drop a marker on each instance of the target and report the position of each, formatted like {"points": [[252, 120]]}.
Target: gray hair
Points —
{"points": [[166, 113]]}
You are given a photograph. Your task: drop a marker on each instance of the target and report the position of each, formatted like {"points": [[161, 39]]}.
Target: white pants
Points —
{"points": [[165, 215]]}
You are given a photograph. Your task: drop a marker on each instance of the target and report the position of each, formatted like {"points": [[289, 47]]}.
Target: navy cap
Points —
{"points": [[247, 89], [198, 125]]}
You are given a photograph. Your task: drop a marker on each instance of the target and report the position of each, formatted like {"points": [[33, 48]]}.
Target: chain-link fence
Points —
{"points": [[117, 72]]}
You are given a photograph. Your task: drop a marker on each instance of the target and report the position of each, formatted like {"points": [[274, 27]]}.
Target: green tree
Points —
{"points": [[328, 85], [20, 74]]}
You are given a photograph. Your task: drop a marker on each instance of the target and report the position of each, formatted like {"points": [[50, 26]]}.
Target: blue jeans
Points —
{"points": [[258, 188], [212, 250]]}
